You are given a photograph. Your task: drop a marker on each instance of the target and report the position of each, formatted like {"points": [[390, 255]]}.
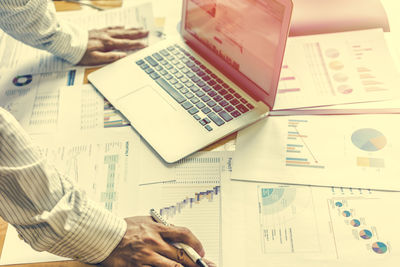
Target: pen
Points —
{"points": [[188, 250]]}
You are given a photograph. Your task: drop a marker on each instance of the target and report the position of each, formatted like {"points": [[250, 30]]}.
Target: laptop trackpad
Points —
{"points": [[145, 102]]}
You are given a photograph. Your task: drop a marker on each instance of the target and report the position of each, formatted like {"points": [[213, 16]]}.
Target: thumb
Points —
{"points": [[182, 235]]}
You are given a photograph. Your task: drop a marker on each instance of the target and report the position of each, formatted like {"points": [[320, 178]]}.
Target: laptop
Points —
{"points": [[219, 75]]}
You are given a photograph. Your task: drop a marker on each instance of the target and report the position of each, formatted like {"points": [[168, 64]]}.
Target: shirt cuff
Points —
{"points": [[70, 42], [94, 236]]}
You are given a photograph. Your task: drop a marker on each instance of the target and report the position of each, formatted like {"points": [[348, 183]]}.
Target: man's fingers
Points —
{"points": [[128, 33], [123, 44], [121, 27], [183, 235], [157, 260], [175, 254], [112, 28], [97, 57]]}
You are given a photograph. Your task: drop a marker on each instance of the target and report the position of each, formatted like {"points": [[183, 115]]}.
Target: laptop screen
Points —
{"points": [[245, 34]]}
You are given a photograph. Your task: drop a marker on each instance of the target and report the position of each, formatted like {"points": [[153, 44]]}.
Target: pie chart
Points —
{"points": [[365, 234], [368, 139], [22, 80], [346, 213], [345, 89], [338, 204], [332, 53], [355, 222], [379, 247], [336, 65]]}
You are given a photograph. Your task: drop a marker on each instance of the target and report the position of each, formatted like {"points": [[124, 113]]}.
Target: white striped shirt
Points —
{"points": [[34, 23], [47, 210]]}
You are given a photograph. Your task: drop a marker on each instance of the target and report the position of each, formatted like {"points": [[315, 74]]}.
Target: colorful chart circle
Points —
{"points": [[365, 234], [340, 77], [336, 65], [345, 89], [355, 222], [368, 139], [22, 80], [346, 213], [332, 53], [379, 247], [339, 204]]}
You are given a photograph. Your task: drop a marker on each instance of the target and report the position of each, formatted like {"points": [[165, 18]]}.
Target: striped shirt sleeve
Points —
{"points": [[47, 210], [34, 23]]}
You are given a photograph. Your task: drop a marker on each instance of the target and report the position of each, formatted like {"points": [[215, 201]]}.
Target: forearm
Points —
{"points": [[48, 211], [34, 22]]}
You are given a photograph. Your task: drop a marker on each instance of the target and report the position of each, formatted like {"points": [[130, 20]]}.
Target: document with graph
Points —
{"points": [[193, 200], [101, 163], [336, 68], [47, 103], [299, 226], [83, 108], [351, 151], [34, 99]]}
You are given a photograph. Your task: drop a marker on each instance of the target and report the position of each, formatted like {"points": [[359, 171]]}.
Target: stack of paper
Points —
{"points": [[318, 190]]}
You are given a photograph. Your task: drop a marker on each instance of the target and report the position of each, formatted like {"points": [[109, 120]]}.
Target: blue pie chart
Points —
{"points": [[355, 222], [368, 139], [365, 234], [346, 213], [379, 247]]}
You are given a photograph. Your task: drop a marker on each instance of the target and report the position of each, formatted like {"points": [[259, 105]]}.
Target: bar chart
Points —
{"points": [[191, 202], [112, 117], [298, 151], [199, 209], [288, 82]]}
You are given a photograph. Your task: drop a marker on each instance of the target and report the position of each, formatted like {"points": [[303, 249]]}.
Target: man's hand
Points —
{"points": [[103, 43], [146, 243]]}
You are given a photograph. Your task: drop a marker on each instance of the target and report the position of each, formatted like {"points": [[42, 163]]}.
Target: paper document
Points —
{"points": [[139, 14], [373, 107], [336, 68], [308, 226], [376, 107], [43, 104], [34, 99], [195, 203], [16, 55], [196, 207], [94, 162], [84, 108], [102, 163], [201, 167], [351, 151], [171, 10]]}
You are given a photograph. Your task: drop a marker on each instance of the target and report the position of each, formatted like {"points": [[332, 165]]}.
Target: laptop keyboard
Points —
{"points": [[200, 92]]}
